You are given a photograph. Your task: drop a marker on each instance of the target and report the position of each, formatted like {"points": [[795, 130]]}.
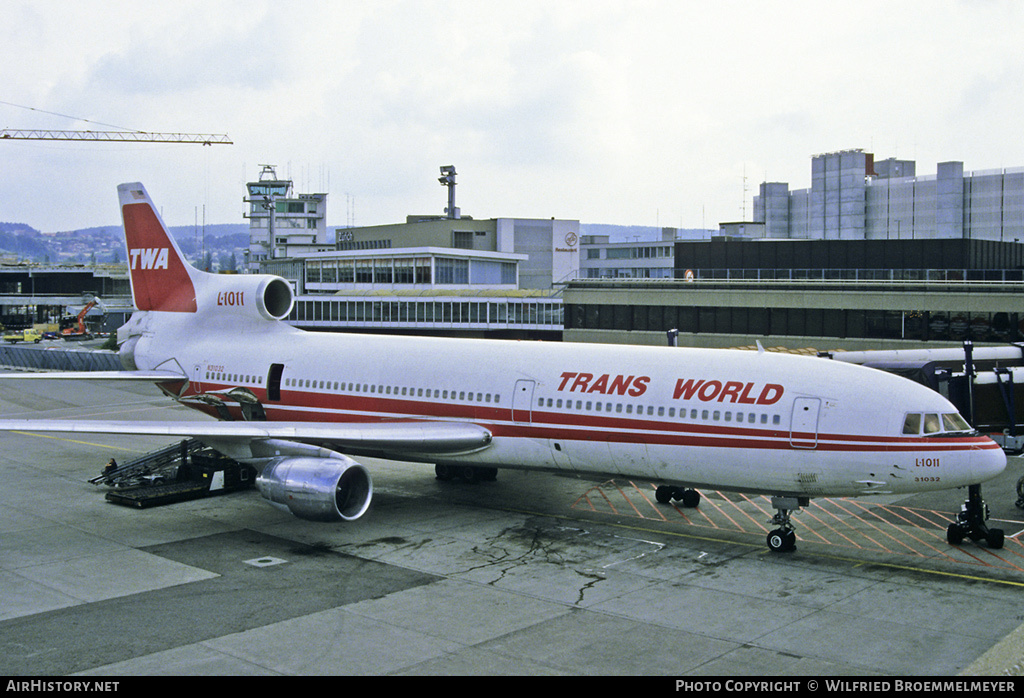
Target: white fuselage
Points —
{"points": [[734, 420]]}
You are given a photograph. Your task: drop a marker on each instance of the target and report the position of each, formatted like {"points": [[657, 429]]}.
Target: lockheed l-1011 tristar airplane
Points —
{"points": [[297, 405]]}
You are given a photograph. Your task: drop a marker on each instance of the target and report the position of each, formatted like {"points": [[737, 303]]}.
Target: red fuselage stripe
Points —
{"points": [[328, 407]]}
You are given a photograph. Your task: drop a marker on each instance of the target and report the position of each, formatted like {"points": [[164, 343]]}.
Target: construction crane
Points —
{"points": [[123, 136]]}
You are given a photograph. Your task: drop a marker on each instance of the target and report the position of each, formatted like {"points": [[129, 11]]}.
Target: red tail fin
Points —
{"points": [[159, 274]]}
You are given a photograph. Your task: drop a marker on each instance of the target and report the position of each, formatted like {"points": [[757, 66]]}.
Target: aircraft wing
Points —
{"points": [[426, 438], [144, 376]]}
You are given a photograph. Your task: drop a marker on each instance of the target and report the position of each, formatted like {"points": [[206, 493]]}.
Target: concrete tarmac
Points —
{"points": [[531, 575]]}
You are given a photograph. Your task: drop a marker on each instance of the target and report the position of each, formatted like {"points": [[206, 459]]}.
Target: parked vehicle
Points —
{"points": [[28, 335]]}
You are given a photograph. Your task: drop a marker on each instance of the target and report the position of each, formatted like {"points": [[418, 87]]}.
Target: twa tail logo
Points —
{"points": [[161, 279], [148, 258]]}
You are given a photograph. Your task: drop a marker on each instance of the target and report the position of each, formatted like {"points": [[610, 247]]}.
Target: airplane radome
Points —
{"points": [[301, 406]]}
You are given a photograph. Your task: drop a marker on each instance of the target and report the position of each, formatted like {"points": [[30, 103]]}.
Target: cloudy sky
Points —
{"points": [[639, 113]]}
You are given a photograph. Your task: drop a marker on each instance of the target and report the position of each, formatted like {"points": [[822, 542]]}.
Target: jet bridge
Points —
{"points": [[985, 383]]}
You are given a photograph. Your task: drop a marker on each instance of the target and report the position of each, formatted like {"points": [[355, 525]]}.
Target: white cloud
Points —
{"points": [[625, 112]]}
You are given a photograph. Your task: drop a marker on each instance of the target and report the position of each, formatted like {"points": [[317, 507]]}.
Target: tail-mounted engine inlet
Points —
{"points": [[259, 295]]}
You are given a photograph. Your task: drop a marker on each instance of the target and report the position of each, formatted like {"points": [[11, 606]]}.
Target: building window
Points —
{"points": [[462, 240], [382, 271], [404, 271], [423, 273], [452, 271]]}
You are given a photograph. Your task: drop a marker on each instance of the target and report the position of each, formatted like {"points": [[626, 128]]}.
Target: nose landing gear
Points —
{"points": [[783, 538], [970, 522]]}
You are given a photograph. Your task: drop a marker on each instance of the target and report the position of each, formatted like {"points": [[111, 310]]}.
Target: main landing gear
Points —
{"points": [[970, 522], [783, 538], [666, 493]]}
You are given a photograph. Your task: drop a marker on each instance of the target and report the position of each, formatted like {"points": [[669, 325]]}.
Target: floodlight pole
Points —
{"points": [[447, 179]]}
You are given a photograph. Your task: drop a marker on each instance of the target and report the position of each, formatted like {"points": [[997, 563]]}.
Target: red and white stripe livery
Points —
{"points": [[298, 404]]}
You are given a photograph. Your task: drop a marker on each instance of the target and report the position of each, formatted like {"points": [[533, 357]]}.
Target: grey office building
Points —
{"points": [[854, 197]]}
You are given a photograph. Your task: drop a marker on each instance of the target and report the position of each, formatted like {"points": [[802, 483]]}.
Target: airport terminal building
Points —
{"points": [[453, 274], [813, 293], [603, 259]]}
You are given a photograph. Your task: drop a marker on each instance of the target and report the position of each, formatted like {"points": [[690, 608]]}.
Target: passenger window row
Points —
{"points": [[236, 378], [661, 411], [400, 391]]}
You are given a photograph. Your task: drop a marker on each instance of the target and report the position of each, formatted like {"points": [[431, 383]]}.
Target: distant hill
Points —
{"points": [[180, 232], [22, 241], [104, 244], [219, 230], [16, 228]]}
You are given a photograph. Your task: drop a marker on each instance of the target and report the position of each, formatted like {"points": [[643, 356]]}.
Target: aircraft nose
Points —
{"points": [[987, 463]]}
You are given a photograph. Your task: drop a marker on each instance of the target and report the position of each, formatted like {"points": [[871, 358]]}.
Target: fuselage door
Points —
{"points": [[274, 382], [197, 378], [522, 401], [804, 429]]}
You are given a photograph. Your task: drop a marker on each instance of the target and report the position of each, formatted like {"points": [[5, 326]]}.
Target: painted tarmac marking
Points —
{"points": [[889, 529]]}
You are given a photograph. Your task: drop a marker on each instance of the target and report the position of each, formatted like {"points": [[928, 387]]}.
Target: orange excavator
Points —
{"points": [[76, 330]]}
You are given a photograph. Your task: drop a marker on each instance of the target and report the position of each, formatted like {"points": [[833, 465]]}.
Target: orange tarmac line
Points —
{"points": [[906, 533], [606, 499], [841, 522], [1014, 553], [944, 517], [998, 557], [756, 505], [747, 513], [584, 497], [722, 512], [831, 528], [628, 500], [806, 530], [647, 499], [1015, 543], [970, 555], [1016, 567], [706, 517], [878, 543], [600, 491]]}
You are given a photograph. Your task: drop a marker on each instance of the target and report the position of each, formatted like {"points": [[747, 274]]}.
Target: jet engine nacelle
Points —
{"points": [[317, 489], [268, 297]]}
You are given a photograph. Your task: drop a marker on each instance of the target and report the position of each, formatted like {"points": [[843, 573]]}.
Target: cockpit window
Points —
{"points": [[954, 422], [930, 423]]}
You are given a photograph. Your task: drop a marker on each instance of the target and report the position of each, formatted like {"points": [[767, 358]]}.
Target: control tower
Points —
{"points": [[282, 223]]}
